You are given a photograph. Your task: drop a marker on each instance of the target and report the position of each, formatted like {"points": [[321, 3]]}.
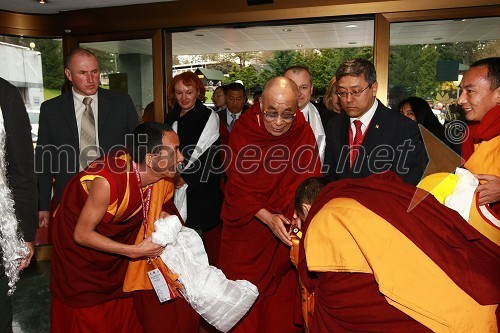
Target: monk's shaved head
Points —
{"points": [[279, 84]]}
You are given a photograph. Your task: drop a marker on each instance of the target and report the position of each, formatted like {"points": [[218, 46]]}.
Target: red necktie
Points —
{"points": [[358, 139]]}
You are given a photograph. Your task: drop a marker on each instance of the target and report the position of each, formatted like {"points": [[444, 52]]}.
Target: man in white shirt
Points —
{"points": [[316, 115], [236, 98], [368, 137]]}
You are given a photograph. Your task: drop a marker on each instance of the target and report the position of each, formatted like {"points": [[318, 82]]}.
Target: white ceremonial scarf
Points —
{"points": [[13, 247], [220, 301], [317, 126], [209, 135]]}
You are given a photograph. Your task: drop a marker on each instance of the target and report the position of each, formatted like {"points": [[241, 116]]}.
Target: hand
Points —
{"points": [[276, 222], [164, 214], [147, 249], [489, 192], [296, 222], [26, 261], [43, 218]]}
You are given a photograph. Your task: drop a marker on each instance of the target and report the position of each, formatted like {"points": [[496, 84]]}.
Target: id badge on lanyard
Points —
{"points": [[155, 274]]}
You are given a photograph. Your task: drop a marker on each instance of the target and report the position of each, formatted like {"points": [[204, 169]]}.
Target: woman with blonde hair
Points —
{"points": [[331, 99]]}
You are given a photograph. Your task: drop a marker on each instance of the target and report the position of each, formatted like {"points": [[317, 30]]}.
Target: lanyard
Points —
{"points": [[145, 203]]}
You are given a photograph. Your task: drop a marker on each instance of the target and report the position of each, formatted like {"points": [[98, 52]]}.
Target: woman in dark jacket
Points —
{"points": [[190, 118]]}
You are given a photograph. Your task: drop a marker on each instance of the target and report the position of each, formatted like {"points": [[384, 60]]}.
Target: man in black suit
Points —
{"points": [[18, 197], [386, 139], [236, 99], [316, 114], [59, 154]]}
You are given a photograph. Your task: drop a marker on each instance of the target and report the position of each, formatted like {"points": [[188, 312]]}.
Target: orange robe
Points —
{"points": [[175, 315]]}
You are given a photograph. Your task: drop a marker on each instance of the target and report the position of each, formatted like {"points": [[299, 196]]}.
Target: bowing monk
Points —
{"points": [[375, 267], [95, 226], [273, 150]]}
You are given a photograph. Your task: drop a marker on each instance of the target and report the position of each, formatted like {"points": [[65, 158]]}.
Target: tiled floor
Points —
{"points": [[31, 301]]}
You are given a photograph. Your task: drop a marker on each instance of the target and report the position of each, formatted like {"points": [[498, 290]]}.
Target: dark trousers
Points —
{"points": [[5, 304]]}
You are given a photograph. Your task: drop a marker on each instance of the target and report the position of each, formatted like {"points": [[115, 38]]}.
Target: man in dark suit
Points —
{"points": [[316, 114], [369, 138], [17, 187], [236, 98], [66, 143]]}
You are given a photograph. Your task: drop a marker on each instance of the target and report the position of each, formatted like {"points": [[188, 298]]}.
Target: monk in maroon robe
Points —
{"points": [[374, 266], [95, 227], [273, 149]]}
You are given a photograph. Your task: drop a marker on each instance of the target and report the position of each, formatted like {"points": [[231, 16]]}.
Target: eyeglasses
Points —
{"points": [[286, 117], [344, 94]]}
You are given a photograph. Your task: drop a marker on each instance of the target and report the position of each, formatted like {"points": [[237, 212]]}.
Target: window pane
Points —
{"points": [[255, 54], [126, 66], [428, 57]]}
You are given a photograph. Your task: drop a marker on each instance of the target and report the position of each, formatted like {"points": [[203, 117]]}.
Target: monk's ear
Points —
{"points": [[305, 208], [497, 91], [149, 160]]}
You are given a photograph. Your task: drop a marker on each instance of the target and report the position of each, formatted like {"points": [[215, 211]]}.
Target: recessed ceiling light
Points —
{"points": [[351, 26], [438, 38], [286, 30], [227, 49], [42, 1], [199, 35], [459, 20], [352, 43], [300, 45]]}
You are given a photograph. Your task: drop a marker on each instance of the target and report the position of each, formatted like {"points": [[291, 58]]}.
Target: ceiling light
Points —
{"points": [[199, 35], [227, 49], [42, 1], [286, 30], [438, 38], [351, 26], [300, 45], [352, 43]]}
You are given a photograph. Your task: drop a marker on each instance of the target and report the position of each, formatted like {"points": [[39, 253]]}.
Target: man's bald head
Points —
{"points": [[279, 104], [280, 84]]}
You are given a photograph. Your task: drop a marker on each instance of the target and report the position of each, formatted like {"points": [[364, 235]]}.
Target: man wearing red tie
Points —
{"points": [[369, 138]]}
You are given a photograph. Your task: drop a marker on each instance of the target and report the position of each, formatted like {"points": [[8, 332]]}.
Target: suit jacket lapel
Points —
{"points": [[104, 107], [343, 147], [69, 114], [375, 130]]}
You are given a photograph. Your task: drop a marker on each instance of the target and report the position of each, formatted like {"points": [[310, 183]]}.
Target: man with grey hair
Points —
{"points": [[369, 138], [316, 115]]}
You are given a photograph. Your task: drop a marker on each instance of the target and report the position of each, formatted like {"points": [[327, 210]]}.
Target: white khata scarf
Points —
{"points": [[208, 136], [13, 247], [317, 127]]}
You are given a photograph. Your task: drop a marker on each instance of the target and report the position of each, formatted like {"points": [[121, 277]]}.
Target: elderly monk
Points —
{"points": [[274, 150], [95, 227], [375, 267]]}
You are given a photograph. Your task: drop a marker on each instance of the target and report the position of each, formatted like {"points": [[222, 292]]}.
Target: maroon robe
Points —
{"points": [[249, 249], [83, 278], [352, 301]]}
